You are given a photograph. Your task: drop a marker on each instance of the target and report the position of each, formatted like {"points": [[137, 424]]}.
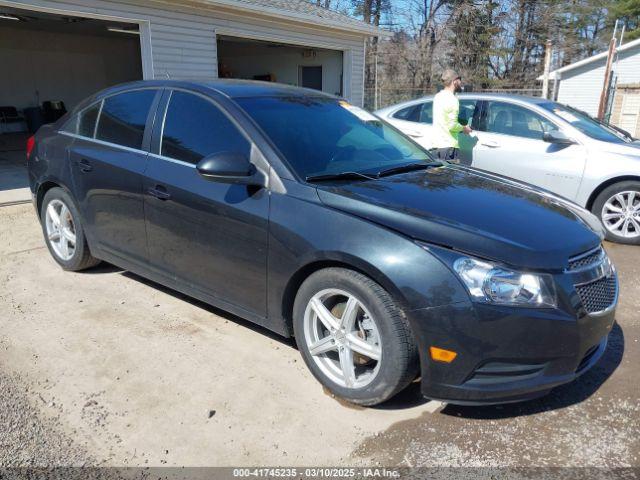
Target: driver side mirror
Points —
{"points": [[557, 137], [230, 167]]}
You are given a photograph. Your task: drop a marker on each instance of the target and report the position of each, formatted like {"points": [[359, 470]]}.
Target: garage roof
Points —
{"points": [[586, 61], [302, 11]]}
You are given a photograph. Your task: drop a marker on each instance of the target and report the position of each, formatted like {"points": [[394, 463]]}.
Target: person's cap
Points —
{"points": [[449, 76]]}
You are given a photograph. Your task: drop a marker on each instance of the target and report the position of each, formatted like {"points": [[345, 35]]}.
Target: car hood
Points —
{"points": [[474, 212], [630, 149]]}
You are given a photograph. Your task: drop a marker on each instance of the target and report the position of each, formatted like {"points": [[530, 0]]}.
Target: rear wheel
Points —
{"points": [[618, 207], [353, 336], [63, 231]]}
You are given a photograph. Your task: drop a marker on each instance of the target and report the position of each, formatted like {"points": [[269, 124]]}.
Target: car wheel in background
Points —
{"points": [[63, 232], [618, 207], [353, 336]]}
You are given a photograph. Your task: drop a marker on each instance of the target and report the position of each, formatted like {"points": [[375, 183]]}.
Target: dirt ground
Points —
{"points": [[105, 368]]}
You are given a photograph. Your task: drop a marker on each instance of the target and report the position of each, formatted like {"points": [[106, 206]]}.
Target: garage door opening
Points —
{"points": [[316, 68], [57, 58], [50, 62]]}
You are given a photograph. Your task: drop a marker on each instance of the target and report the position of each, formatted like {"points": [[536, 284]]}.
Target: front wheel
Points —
{"points": [[618, 207], [353, 336]]}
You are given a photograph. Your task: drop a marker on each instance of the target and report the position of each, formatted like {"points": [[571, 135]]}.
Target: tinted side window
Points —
{"points": [[426, 113], [195, 128], [87, 121], [508, 119], [124, 116], [467, 110], [410, 114]]}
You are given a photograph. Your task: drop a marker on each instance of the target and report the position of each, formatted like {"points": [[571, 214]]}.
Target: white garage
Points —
{"points": [[61, 51]]}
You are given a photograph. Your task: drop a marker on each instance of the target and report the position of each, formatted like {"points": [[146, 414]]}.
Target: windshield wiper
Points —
{"points": [[407, 168], [338, 176]]}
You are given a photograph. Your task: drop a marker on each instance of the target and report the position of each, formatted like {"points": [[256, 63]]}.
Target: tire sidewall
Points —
{"points": [[390, 372], [602, 198], [74, 262]]}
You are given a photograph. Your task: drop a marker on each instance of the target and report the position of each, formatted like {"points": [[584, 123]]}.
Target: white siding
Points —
{"points": [[182, 38], [581, 87]]}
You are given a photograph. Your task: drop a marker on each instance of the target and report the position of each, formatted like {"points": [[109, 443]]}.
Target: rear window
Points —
{"points": [[124, 116]]}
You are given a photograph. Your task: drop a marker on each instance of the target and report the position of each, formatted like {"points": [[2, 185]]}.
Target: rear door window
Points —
{"points": [[87, 120], [410, 114], [426, 113], [123, 118], [195, 128]]}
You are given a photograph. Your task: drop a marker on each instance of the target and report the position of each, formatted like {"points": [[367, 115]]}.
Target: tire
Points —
{"points": [[378, 324], [607, 203], [76, 255]]}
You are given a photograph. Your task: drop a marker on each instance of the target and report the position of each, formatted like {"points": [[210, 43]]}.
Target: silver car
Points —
{"points": [[546, 144]]}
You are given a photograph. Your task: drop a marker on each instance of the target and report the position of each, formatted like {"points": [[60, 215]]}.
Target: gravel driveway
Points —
{"points": [[105, 368]]}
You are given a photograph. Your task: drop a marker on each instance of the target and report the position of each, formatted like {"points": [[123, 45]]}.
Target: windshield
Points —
{"points": [[326, 136], [586, 124]]}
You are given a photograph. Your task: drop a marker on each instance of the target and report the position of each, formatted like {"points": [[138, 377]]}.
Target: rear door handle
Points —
{"points": [[84, 165], [159, 192]]}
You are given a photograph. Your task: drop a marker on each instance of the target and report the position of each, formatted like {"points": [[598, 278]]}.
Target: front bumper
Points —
{"points": [[507, 354]]}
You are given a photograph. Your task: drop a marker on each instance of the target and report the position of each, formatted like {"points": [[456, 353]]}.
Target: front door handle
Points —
{"points": [[490, 143], [84, 165], [160, 192]]}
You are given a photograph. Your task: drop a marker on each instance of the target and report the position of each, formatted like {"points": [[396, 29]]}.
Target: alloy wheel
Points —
{"points": [[621, 214], [61, 232], [342, 338]]}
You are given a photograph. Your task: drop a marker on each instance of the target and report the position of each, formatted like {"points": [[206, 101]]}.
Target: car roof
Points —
{"points": [[230, 87], [474, 95]]}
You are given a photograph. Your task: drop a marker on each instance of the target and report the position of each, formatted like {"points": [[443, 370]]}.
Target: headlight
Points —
{"points": [[490, 283]]}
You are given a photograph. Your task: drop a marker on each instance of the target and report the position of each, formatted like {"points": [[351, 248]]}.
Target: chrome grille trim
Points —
{"points": [[586, 260]]}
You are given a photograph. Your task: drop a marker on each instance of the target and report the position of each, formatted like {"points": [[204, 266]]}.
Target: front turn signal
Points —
{"points": [[442, 355]]}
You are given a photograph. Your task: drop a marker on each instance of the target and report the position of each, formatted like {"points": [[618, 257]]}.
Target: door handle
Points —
{"points": [[84, 165], [159, 192], [415, 134], [490, 143]]}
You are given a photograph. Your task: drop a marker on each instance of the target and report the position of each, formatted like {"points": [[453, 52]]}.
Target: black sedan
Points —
{"points": [[314, 219]]}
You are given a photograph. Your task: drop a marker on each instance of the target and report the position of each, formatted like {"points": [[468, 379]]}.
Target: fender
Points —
{"points": [[314, 238]]}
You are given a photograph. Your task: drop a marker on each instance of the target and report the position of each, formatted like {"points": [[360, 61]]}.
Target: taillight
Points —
{"points": [[31, 142]]}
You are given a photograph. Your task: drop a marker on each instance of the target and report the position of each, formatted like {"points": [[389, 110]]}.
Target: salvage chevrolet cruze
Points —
{"points": [[313, 218]]}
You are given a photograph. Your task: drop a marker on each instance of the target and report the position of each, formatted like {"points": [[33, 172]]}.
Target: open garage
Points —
{"points": [[317, 68], [51, 62]]}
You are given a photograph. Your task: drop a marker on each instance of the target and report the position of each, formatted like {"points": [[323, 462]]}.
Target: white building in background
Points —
{"points": [[580, 83]]}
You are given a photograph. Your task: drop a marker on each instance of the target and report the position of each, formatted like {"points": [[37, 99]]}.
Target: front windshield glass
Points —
{"points": [[326, 136], [586, 124]]}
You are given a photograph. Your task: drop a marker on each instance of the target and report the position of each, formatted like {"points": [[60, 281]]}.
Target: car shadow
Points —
{"points": [[560, 397], [214, 310]]}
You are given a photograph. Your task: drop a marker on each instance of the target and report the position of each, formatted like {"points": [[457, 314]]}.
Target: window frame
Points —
{"points": [[146, 131], [162, 110], [148, 127]]}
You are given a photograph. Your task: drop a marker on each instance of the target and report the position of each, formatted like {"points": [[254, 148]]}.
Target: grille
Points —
{"points": [[597, 296], [586, 259]]}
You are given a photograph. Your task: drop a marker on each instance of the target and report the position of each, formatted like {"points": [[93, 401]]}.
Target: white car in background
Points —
{"points": [[546, 144]]}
